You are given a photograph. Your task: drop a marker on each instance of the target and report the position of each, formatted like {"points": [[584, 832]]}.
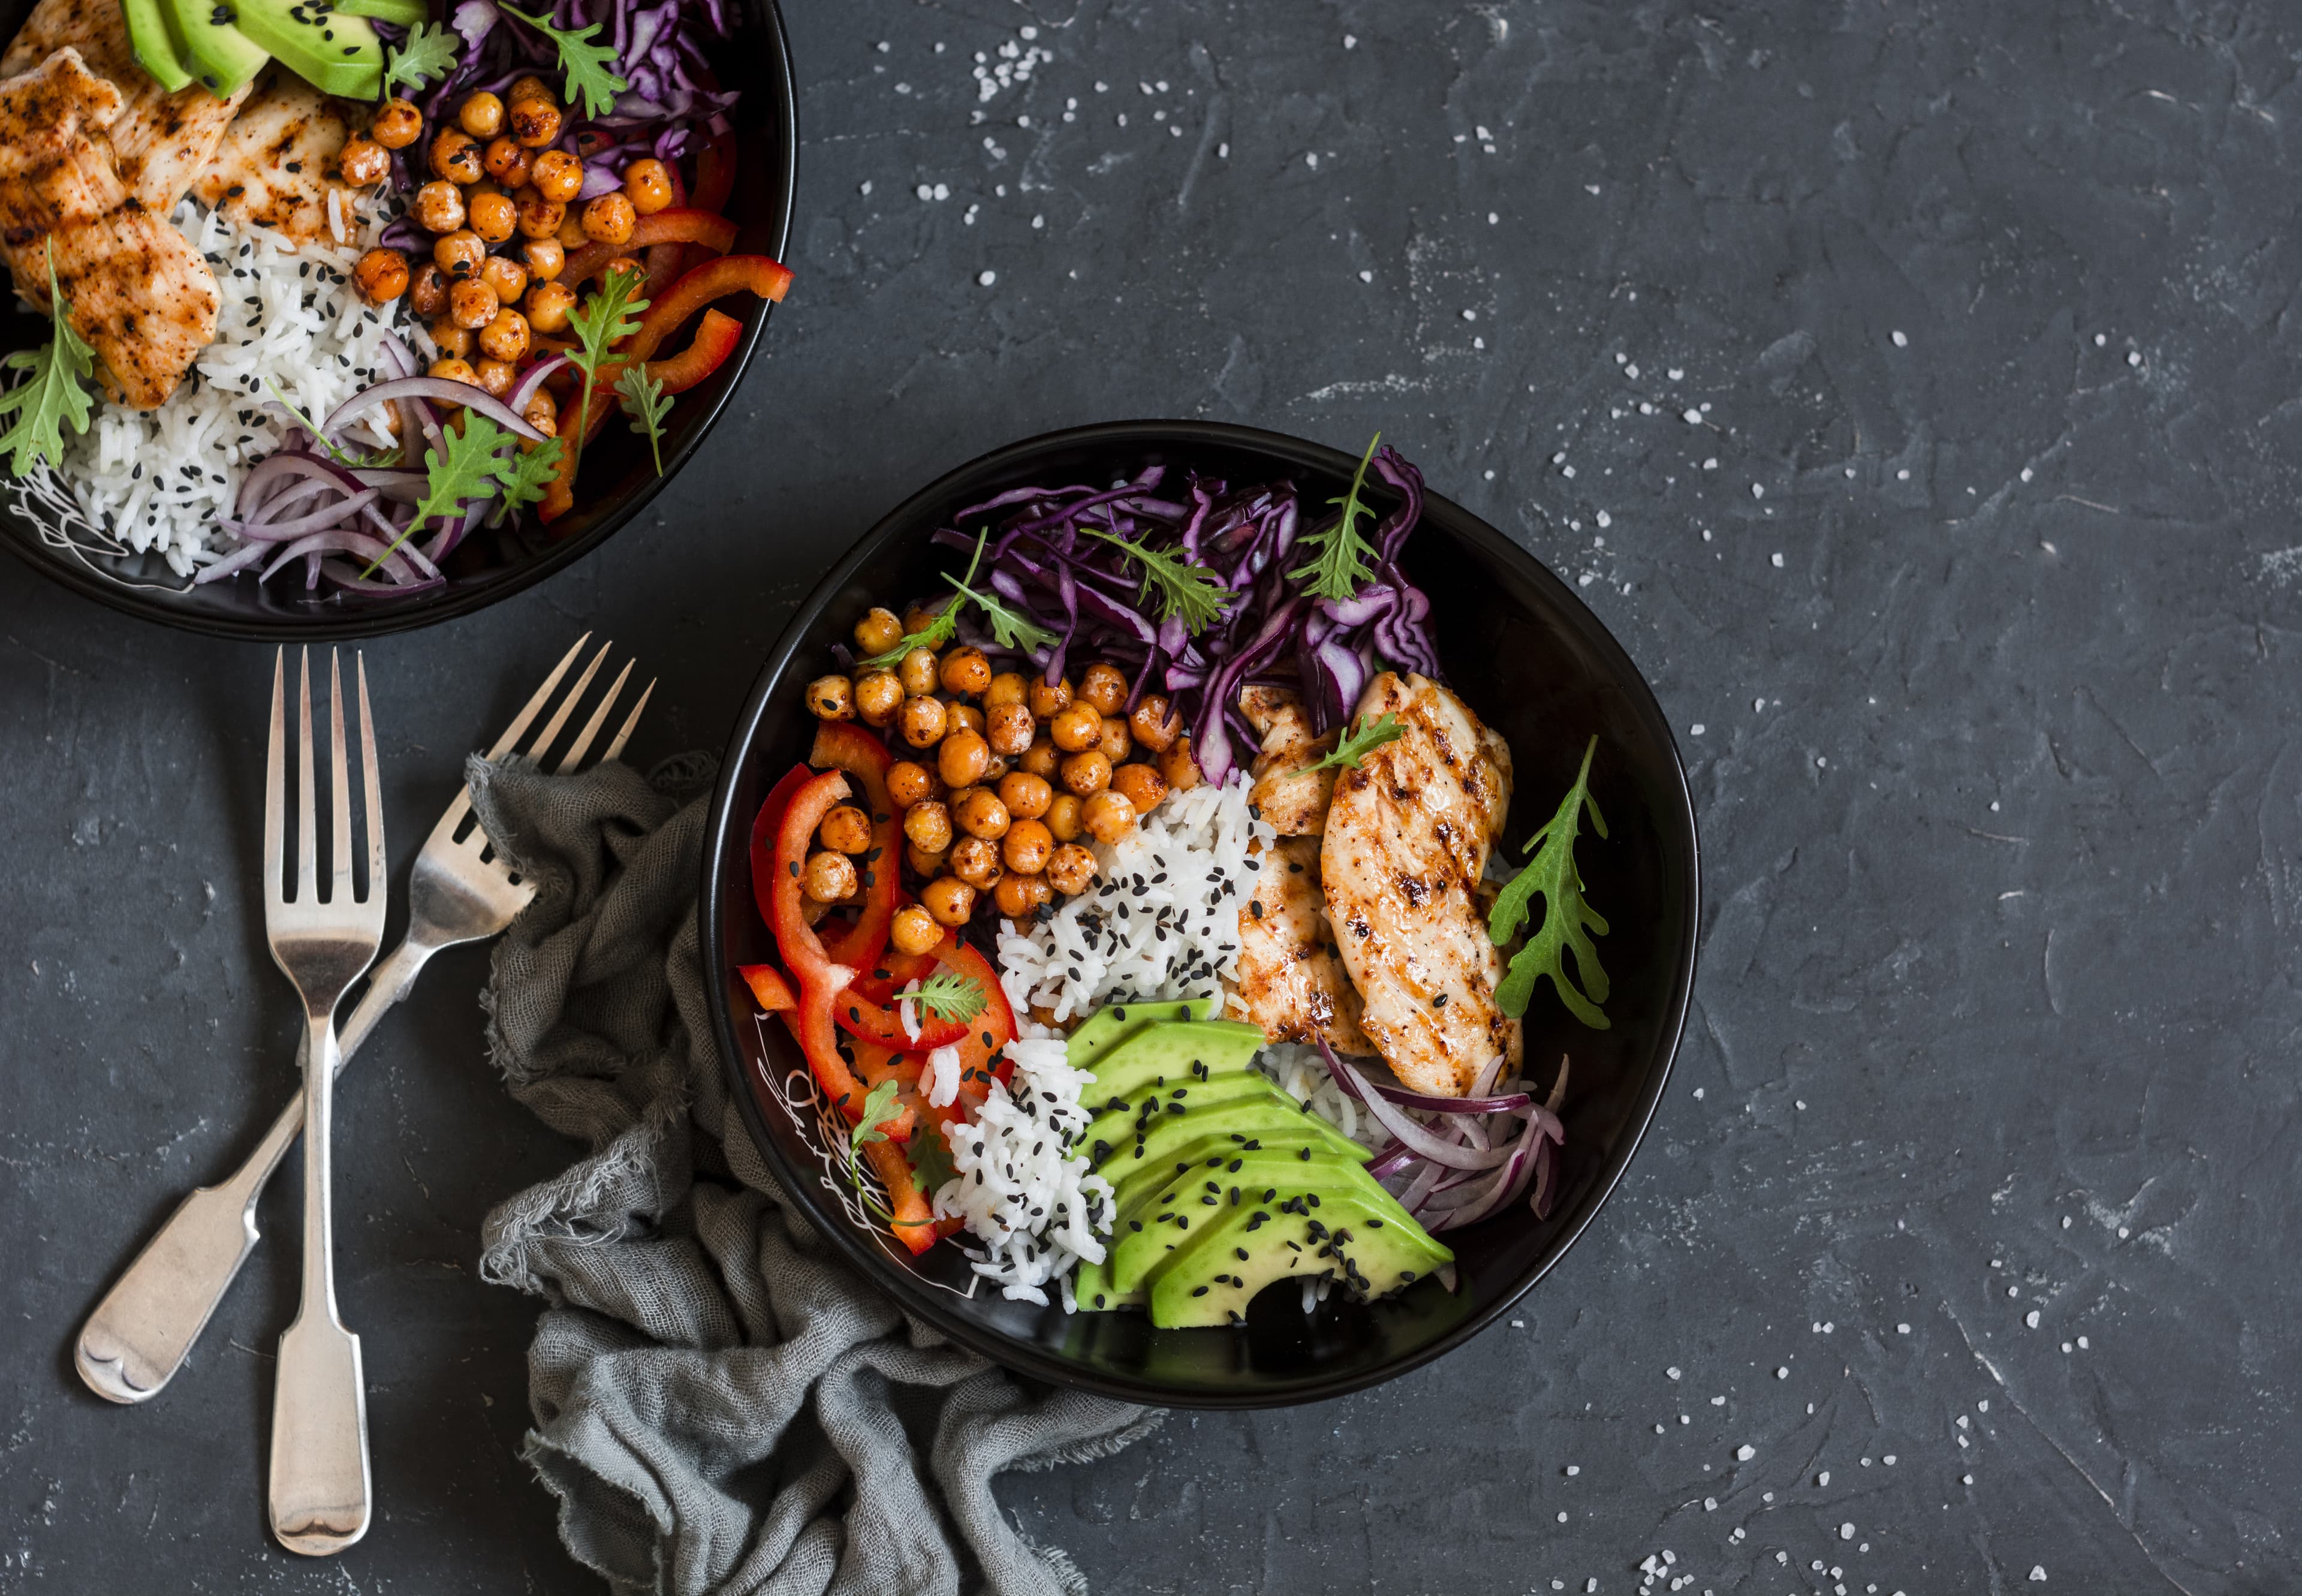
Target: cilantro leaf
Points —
{"points": [[931, 1163], [1357, 745], [950, 995], [1566, 919], [1340, 565], [429, 52], [525, 474], [1193, 593], [586, 63], [600, 323], [52, 398], [644, 402]]}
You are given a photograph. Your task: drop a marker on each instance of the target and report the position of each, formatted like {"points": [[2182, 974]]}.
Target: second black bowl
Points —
{"points": [[1536, 664]]}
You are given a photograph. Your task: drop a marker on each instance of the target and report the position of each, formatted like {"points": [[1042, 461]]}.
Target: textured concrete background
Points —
{"points": [[1911, 386]]}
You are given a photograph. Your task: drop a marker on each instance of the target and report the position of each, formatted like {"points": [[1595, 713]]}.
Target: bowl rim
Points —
{"points": [[343, 624], [713, 906]]}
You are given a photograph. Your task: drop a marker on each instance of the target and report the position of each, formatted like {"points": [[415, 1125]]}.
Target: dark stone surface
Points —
{"points": [[1997, 1008]]}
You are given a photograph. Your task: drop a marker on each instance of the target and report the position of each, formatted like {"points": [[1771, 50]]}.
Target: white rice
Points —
{"points": [[1021, 1190], [159, 480]]}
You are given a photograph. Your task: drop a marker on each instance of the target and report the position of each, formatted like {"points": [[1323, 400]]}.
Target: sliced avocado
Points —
{"points": [[1122, 1121], [1135, 1255], [404, 13], [155, 52], [1177, 1050], [1216, 1271], [215, 51], [334, 52], [1101, 1031], [1276, 1122]]}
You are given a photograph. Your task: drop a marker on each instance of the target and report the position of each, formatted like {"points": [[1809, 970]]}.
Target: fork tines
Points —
{"points": [[344, 891]]}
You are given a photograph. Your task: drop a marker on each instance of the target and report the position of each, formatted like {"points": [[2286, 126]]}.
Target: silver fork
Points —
{"points": [[461, 891], [319, 1494]]}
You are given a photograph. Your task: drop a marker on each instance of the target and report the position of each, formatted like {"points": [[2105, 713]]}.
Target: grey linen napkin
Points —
{"points": [[720, 1404]]}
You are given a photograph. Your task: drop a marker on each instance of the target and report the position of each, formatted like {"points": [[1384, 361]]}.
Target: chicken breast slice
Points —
{"points": [[161, 142], [1287, 795], [276, 164], [140, 294], [1405, 844], [1290, 979]]}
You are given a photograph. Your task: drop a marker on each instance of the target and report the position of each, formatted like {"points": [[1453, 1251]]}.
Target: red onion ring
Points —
{"points": [[1419, 1138], [444, 391]]}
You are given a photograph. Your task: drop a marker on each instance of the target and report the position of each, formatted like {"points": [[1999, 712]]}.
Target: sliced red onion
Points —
{"points": [[1411, 1132], [343, 541], [532, 379], [1500, 1190], [1424, 1102], [288, 532], [275, 470], [346, 575], [239, 559], [445, 390]]}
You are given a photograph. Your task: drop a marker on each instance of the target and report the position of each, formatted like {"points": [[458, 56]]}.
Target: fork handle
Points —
{"points": [[139, 1334]]}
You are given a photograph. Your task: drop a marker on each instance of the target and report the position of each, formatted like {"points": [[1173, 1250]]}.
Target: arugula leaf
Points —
{"points": [[429, 52], [1342, 562], [931, 1163], [1357, 745], [950, 995], [470, 471], [600, 323], [644, 402], [53, 398], [1192, 592], [1008, 629], [880, 1106], [586, 63], [1566, 919], [526, 474]]}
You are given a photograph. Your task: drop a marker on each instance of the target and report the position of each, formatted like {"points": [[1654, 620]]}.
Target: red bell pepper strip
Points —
{"points": [[875, 1066], [895, 971], [764, 827], [715, 173], [713, 280], [716, 338], [843, 746], [773, 993], [820, 978], [914, 1221], [686, 225]]}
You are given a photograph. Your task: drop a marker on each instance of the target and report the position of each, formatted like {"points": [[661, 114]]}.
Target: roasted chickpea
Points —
{"points": [[916, 617], [878, 631], [543, 413], [1047, 702], [949, 900], [535, 123], [609, 219], [961, 759], [527, 86], [964, 715], [1076, 726], [981, 814], [505, 337], [398, 124], [506, 275], [920, 720], [1142, 784], [1178, 768], [924, 861], [648, 185], [481, 115], [458, 254], [558, 177], [472, 303], [1027, 847], [965, 671], [451, 339], [976, 861], [1026, 795], [547, 305], [363, 162], [427, 290], [625, 264], [382, 275], [544, 258], [908, 781], [508, 162], [1109, 817], [829, 877], [994, 769], [539, 222], [1006, 688], [1021, 895], [877, 696], [914, 930], [1064, 816], [846, 829], [831, 698], [494, 376], [1070, 869], [1155, 725], [1043, 758], [453, 156], [1009, 728], [917, 671], [571, 234], [439, 207], [1115, 743], [927, 825], [492, 216], [453, 369], [1087, 772], [1102, 686]]}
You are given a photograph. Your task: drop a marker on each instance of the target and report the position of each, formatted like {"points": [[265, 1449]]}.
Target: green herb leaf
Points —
{"points": [[1193, 593], [1567, 920], [52, 398], [933, 635], [644, 401], [527, 473], [470, 471], [340, 455], [586, 63], [601, 321], [429, 52], [1357, 745], [1340, 565], [880, 1106], [931, 1163], [950, 995], [1009, 629]]}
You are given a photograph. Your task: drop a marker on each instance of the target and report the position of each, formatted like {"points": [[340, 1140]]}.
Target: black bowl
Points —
{"points": [[1534, 663], [619, 475]]}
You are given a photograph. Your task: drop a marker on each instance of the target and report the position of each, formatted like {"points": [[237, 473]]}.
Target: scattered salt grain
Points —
{"points": [[986, 278], [1743, 1454], [1901, 342]]}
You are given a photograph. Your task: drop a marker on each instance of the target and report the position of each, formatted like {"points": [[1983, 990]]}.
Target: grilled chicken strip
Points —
{"points": [[1287, 795], [1289, 976], [1406, 842], [161, 142], [277, 161], [140, 294]]}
